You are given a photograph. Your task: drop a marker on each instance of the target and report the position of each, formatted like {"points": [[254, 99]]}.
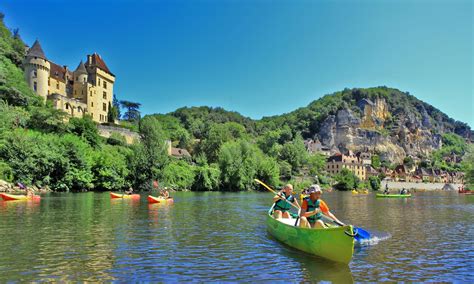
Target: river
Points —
{"points": [[222, 237]]}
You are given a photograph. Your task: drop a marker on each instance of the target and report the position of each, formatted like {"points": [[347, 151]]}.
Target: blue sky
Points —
{"points": [[261, 58]]}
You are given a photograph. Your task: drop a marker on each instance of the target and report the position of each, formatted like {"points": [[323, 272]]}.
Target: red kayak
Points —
{"points": [[124, 196], [152, 199], [11, 197]]}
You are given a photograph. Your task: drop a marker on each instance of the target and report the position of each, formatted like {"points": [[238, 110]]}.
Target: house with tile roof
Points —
{"points": [[86, 90]]}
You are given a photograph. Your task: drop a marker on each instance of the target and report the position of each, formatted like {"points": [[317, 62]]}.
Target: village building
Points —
{"points": [[337, 162], [86, 90]]}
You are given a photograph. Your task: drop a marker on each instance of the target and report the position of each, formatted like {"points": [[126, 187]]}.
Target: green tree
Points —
{"points": [[374, 182], [86, 128], [207, 177], [110, 169], [376, 161], [346, 180], [178, 175], [294, 153], [133, 111]]}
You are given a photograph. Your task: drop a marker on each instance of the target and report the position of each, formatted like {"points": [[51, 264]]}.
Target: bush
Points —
{"points": [[178, 175], [374, 182], [346, 180], [6, 173], [207, 178], [110, 168]]}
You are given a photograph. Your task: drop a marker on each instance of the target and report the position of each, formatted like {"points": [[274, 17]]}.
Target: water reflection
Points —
{"points": [[222, 237]]}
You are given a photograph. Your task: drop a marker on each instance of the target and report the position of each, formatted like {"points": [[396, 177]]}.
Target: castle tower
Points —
{"points": [[80, 82], [37, 70]]}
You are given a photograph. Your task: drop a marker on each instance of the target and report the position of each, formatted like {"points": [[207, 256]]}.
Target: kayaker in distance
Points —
{"points": [[403, 191], [281, 208], [165, 194], [312, 209], [129, 191], [386, 191]]}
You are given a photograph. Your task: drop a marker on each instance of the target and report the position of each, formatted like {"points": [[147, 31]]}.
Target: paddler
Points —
{"points": [[312, 209], [281, 208]]}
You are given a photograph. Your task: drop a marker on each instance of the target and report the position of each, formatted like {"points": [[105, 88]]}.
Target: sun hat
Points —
{"points": [[314, 188]]}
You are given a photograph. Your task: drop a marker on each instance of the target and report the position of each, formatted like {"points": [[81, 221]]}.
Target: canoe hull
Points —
{"points": [[153, 199], [124, 196], [381, 195], [330, 243], [11, 197]]}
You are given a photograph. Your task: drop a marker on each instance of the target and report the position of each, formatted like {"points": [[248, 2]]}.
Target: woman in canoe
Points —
{"points": [[313, 208], [165, 194], [281, 208]]}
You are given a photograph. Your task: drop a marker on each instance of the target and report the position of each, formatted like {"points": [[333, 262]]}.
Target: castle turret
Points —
{"points": [[37, 70], [80, 75]]}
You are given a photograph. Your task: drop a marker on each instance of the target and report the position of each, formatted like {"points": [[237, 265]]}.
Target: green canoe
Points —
{"points": [[381, 195], [331, 243]]}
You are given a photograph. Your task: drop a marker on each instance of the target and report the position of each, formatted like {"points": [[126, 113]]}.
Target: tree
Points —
{"points": [[374, 182], [178, 175], [132, 114], [376, 161], [218, 135], [86, 128], [294, 153], [207, 177], [240, 162], [116, 105], [346, 180], [112, 114]]}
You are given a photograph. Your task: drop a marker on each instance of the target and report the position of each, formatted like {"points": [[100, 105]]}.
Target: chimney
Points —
{"points": [[89, 59]]}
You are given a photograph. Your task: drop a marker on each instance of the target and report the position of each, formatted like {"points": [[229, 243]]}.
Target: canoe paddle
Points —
{"points": [[361, 233]]}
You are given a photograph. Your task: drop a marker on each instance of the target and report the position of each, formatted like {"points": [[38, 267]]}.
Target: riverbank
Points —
{"points": [[420, 185], [9, 187]]}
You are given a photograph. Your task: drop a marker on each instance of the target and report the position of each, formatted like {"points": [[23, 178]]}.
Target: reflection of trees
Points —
{"points": [[67, 240]]}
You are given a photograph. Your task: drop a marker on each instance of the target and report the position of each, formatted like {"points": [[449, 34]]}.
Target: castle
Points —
{"points": [[87, 90]]}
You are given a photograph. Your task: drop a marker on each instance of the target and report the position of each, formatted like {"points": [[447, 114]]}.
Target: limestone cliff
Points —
{"points": [[382, 120]]}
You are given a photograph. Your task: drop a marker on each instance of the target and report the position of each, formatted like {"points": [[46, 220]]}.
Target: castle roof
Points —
{"points": [[81, 69], [36, 51], [99, 62], [58, 72]]}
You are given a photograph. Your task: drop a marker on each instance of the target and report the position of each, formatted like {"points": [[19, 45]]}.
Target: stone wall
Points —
{"points": [[420, 185], [106, 131]]}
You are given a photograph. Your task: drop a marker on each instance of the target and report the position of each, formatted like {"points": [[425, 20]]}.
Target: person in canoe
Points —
{"points": [[129, 191], [165, 194], [281, 208], [386, 191], [403, 191], [312, 209]]}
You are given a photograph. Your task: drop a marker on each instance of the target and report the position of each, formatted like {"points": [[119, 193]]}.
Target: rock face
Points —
{"points": [[407, 135]]}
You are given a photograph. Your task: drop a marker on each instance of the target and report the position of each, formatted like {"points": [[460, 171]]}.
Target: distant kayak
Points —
{"points": [[153, 199], [360, 192], [381, 195], [119, 195], [11, 197]]}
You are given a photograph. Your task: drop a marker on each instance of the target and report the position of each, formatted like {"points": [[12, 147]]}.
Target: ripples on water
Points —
{"points": [[222, 237]]}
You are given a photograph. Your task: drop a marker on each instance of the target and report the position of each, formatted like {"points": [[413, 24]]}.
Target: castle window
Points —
{"points": [[35, 87], [105, 85], [91, 93], [98, 80], [35, 74], [92, 104], [104, 106], [67, 106], [49, 82], [57, 85]]}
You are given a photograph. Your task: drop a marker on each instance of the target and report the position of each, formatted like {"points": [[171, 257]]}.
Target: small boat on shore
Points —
{"points": [[12, 197], [159, 199], [114, 195], [335, 243], [381, 195]]}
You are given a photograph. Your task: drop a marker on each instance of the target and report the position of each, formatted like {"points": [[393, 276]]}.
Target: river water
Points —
{"points": [[222, 237]]}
